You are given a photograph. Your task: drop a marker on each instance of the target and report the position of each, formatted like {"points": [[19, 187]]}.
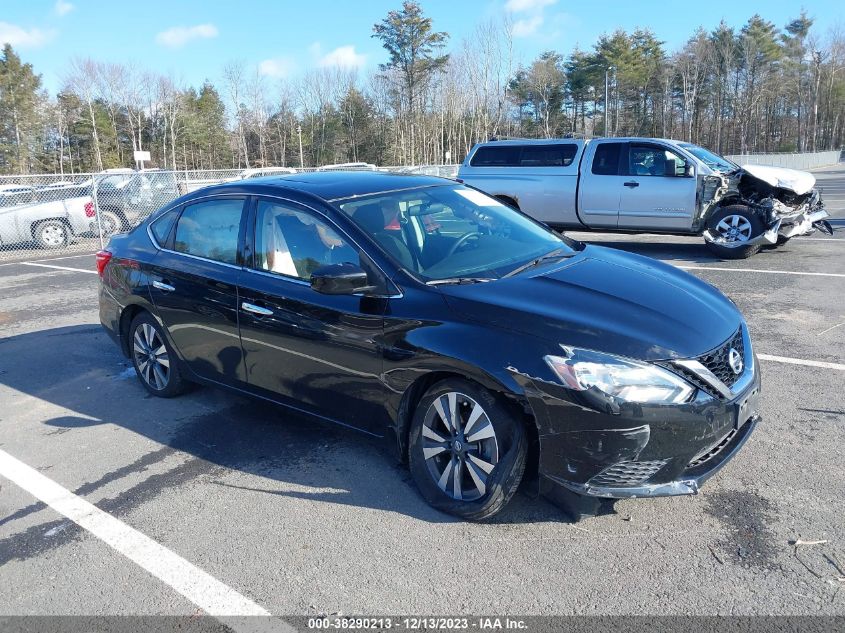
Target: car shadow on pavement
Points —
{"points": [[238, 444]]}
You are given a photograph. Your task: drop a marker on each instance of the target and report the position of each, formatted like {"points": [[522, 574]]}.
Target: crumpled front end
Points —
{"points": [[784, 199], [599, 448]]}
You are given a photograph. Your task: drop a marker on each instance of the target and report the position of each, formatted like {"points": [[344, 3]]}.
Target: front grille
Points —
{"points": [[711, 452], [717, 360], [626, 474]]}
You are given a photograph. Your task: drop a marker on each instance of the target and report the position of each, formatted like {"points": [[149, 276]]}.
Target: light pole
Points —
{"points": [[299, 134], [607, 72]]}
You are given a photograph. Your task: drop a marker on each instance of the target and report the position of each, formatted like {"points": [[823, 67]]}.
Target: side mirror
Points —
{"points": [[340, 279], [689, 169]]}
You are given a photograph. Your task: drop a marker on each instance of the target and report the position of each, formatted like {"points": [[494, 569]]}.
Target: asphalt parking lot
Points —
{"points": [[301, 518]]}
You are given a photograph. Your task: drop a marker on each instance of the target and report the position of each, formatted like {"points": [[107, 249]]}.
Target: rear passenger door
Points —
{"points": [[602, 184], [194, 286]]}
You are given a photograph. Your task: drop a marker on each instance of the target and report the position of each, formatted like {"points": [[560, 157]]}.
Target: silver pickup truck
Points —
{"points": [[50, 223], [645, 185]]}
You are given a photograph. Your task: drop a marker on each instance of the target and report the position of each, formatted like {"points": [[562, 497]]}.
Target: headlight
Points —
{"points": [[621, 378]]}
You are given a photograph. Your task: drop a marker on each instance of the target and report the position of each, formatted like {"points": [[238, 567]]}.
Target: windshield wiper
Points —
{"points": [[556, 254], [456, 281]]}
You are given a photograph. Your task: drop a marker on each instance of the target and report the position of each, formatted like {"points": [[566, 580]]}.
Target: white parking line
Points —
{"points": [[800, 361], [51, 259], [75, 270], [759, 270], [203, 590]]}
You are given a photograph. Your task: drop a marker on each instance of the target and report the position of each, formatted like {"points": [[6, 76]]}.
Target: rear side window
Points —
{"points": [[547, 155], [162, 226], [606, 160], [496, 156], [552, 155], [210, 229]]}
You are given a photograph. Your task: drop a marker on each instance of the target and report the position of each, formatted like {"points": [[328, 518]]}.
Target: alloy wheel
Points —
{"points": [[734, 228], [459, 446], [151, 357]]}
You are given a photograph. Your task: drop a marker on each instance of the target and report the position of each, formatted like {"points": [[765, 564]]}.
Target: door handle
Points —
{"points": [[254, 309], [631, 183], [163, 286]]}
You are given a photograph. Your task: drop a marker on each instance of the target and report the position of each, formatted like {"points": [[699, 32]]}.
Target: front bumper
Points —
{"points": [[639, 450], [801, 223]]}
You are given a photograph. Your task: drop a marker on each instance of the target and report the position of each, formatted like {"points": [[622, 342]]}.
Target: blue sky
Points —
{"points": [[193, 39]]}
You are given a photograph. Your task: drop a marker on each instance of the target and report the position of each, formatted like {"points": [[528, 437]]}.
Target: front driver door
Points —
{"points": [[664, 196], [318, 352]]}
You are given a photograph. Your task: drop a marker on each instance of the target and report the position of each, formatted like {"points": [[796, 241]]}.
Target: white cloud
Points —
{"points": [[532, 15], [62, 7], [24, 38], [180, 35], [277, 67], [529, 26], [524, 6], [343, 57]]}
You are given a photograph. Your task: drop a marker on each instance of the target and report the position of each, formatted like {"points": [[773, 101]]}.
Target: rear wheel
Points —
{"points": [[735, 225], [155, 362], [51, 234], [110, 223], [467, 451]]}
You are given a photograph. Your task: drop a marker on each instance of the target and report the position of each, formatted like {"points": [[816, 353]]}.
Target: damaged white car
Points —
{"points": [[645, 185]]}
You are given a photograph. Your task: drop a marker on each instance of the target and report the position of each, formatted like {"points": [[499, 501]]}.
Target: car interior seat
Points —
{"points": [[371, 218]]}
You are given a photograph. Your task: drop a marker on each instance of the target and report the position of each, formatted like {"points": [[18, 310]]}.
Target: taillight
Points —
{"points": [[89, 210], [103, 258]]}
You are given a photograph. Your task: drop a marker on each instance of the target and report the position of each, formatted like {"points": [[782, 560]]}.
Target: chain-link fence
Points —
{"points": [[46, 215]]}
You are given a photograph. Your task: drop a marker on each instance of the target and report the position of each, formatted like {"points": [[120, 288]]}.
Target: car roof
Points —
{"points": [[335, 185]]}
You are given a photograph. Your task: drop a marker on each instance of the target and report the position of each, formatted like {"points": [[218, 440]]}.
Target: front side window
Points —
{"points": [[449, 231], [210, 229], [293, 242], [651, 160]]}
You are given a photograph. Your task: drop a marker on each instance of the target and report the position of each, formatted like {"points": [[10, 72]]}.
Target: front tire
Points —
{"points": [[156, 365], [735, 224], [467, 452]]}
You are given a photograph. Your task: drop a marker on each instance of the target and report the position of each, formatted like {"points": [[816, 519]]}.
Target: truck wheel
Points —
{"points": [[110, 222], [51, 234], [735, 224]]}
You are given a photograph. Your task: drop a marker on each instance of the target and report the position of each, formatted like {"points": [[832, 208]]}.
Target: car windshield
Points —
{"points": [[711, 159], [453, 232]]}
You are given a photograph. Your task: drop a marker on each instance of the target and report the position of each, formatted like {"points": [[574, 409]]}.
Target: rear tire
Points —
{"points": [[486, 452], [736, 223], [110, 223], [155, 362], [51, 234]]}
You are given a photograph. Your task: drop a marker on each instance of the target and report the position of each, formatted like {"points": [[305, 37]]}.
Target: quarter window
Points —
{"points": [[295, 243], [162, 226], [210, 229]]}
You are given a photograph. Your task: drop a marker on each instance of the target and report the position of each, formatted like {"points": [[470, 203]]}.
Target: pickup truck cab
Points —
{"points": [[648, 185]]}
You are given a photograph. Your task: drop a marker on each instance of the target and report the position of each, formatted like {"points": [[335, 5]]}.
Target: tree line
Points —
{"points": [[755, 88]]}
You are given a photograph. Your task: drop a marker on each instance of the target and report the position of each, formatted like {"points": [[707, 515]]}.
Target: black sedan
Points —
{"points": [[481, 345]]}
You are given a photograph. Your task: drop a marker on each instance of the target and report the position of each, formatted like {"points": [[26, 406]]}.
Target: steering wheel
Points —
{"points": [[463, 240]]}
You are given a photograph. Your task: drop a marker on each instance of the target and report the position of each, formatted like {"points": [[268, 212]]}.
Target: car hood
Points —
{"points": [[605, 300], [800, 182]]}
